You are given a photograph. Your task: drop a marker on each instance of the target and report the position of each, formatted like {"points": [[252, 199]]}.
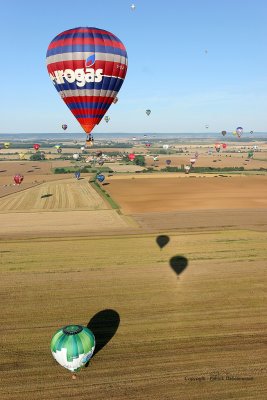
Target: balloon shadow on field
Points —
{"points": [[105, 184], [178, 264], [104, 325], [162, 240], [46, 195]]}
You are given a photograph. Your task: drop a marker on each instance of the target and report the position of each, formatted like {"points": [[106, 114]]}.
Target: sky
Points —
{"points": [[191, 62]]}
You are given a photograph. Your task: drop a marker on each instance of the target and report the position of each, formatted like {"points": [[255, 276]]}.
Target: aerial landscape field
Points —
{"points": [[170, 320], [133, 200]]}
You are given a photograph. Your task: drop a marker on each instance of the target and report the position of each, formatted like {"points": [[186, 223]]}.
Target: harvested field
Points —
{"points": [[197, 335], [59, 195], [140, 195]]}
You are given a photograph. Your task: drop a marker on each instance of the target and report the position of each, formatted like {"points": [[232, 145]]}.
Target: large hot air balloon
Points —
{"points": [[87, 67], [148, 112], [18, 179], [36, 146], [73, 346], [64, 127]]}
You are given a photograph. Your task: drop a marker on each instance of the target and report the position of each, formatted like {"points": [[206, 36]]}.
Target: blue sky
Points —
{"points": [[192, 62]]}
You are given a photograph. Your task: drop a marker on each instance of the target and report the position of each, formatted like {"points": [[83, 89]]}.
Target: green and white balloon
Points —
{"points": [[73, 346]]}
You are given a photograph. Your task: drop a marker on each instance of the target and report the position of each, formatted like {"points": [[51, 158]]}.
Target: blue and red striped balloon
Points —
{"points": [[87, 67]]}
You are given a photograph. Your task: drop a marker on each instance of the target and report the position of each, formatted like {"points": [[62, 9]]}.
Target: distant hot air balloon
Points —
{"points": [[187, 169], [239, 131], [18, 179], [64, 127], [73, 346], [58, 147], [131, 156], [196, 154], [133, 7], [206, 126], [168, 162], [192, 161], [100, 177], [251, 132], [224, 145], [22, 156], [165, 146], [7, 145], [36, 146], [87, 67], [217, 147], [148, 112], [76, 156], [147, 144], [107, 118], [224, 133], [250, 154], [77, 174]]}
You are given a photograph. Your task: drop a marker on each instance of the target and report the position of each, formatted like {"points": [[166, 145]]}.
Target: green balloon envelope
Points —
{"points": [[73, 346]]}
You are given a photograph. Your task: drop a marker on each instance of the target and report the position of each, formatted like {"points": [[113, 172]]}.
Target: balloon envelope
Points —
{"points": [[100, 177], [131, 156], [87, 67], [73, 346], [36, 146], [18, 179], [148, 112]]}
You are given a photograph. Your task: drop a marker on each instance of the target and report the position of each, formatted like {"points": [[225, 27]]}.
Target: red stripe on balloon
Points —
{"points": [[85, 41]]}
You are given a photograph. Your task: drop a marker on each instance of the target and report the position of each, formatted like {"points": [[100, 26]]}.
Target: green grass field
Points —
{"points": [[197, 335]]}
